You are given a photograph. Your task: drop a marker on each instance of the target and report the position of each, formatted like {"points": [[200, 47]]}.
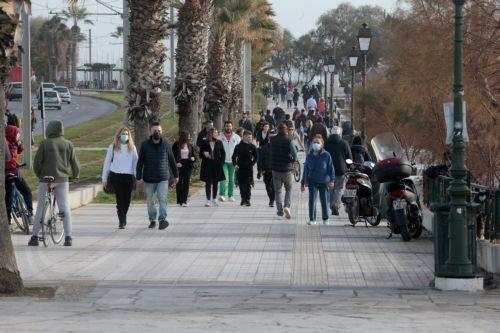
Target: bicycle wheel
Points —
{"points": [[44, 224], [56, 225], [296, 171], [16, 217], [23, 212]]}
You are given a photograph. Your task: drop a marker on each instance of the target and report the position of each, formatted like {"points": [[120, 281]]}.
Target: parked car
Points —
{"points": [[15, 90], [64, 93], [51, 99], [48, 85]]}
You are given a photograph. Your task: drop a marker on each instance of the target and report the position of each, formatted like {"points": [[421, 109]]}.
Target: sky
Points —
{"points": [[298, 16]]}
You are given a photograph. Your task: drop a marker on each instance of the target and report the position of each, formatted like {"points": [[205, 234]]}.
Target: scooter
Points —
{"points": [[404, 211], [358, 194]]}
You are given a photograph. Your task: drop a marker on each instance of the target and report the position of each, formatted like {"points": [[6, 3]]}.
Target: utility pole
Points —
{"points": [[172, 64], [26, 59], [126, 34]]}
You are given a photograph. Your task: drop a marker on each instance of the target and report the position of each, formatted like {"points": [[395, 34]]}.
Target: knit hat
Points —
{"points": [[337, 130]]}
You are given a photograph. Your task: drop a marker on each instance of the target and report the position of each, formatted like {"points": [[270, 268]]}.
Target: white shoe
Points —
{"points": [[208, 203], [326, 222], [231, 199], [311, 222], [222, 199], [286, 210], [184, 205], [215, 203]]}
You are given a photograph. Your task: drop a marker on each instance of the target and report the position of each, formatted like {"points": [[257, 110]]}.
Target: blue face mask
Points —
{"points": [[123, 138], [316, 146]]}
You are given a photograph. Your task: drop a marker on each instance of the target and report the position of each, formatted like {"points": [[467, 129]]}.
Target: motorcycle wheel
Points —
{"points": [[352, 212], [416, 230], [405, 233], [374, 220]]}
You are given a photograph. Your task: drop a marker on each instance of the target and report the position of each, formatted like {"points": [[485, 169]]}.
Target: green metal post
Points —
{"points": [[351, 136], [459, 264]]}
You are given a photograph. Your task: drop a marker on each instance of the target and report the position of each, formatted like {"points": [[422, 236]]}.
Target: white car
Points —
{"points": [[48, 85], [51, 99], [63, 93]]}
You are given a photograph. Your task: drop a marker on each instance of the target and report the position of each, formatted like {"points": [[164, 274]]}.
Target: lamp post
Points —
{"points": [[331, 70], [353, 63], [459, 264], [325, 71], [364, 40]]}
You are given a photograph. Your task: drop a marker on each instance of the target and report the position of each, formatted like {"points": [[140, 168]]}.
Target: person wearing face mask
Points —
{"points": [[319, 176], [212, 156], [244, 158], [155, 161], [184, 156], [119, 171]]}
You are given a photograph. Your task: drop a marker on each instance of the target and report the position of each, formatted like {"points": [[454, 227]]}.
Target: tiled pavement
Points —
{"points": [[229, 245]]}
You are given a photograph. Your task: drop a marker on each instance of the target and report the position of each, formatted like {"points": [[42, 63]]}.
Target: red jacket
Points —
{"points": [[12, 136]]}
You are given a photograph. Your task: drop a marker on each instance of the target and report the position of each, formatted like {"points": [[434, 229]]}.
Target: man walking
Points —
{"points": [[246, 123], [340, 151], [229, 141], [155, 160], [54, 158], [244, 158], [282, 154]]}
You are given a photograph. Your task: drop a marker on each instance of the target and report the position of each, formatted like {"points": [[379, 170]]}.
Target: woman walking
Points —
{"points": [[212, 156], [319, 176], [184, 158], [119, 172]]}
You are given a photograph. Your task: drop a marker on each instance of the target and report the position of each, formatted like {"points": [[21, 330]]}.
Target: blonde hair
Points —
{"points": [[130, 143]]}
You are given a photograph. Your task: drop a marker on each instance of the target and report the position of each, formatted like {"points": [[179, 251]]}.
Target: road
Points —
{"points": [[82, 109]]}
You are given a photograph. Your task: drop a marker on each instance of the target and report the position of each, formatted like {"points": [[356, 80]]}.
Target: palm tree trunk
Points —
{"points": [[217, 82], [193, 28], [148, 31], [75, 30], [10, 278], [234, 68]]}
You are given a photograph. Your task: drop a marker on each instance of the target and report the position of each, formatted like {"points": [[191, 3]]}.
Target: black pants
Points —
{"points": [[289, 104], [182, 187], [295, 102], [211, 188], [245, 181], [123, 185], [268, 181], [23, 188]]}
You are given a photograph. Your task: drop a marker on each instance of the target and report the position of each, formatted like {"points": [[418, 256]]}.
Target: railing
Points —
{"points": [[488, 216]]}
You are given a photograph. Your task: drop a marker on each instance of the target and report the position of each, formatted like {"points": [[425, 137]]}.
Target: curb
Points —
{"points": [[81, 197]]}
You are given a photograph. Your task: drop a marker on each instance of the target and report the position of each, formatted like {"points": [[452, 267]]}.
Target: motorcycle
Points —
{"points": [[357, 196], [404, 211]]}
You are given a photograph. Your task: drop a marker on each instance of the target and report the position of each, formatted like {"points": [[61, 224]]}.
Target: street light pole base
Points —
{"points": [[474, 284]]}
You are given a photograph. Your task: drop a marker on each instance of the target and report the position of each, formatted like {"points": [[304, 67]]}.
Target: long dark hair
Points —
{"points": [[183, 138]]}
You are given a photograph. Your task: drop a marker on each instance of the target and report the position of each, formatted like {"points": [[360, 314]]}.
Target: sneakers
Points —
{"points": [[184, 205], [311, 222], [33, 241], [288, 215], [222, 199], [214, 203], [163, 224], [326, 222], [248, 204], [208, 203], [68, 241], [231, 199], [335, 211], [121, 226], [271, 203], [152, 224]]}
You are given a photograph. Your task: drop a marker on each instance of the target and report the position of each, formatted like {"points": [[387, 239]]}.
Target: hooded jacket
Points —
{"points": [[340, 151], [15, 148], [318, 170], [56, 156]]}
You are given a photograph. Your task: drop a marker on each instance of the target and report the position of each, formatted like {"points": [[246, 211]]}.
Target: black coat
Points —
{"points": [[155, 160], [245, 157], [340, 151], [176, 150], [360, 154], [212, 167], [263, 160]]}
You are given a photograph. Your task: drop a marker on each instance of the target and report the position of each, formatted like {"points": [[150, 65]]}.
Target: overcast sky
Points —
{"points": [[299, 16]]}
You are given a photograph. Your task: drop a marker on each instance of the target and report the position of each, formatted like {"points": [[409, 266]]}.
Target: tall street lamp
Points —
{"points": [[331, 70], [459, 265], [353, 63], [364, 40], [325, 71]]}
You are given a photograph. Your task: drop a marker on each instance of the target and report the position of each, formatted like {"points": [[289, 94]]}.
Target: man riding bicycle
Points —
{"points": [[54, 158], [16, 147]]}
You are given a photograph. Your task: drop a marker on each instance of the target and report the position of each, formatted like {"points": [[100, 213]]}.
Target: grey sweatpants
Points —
{"points": [[336, 193], [61, 191], [280, 179]]}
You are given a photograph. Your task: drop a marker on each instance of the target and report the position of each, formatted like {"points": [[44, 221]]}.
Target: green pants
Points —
{"points": [[229, 173]]}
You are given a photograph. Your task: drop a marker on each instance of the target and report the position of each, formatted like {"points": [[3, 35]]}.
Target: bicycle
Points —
{"points": [[19, 211], [51, 221]]}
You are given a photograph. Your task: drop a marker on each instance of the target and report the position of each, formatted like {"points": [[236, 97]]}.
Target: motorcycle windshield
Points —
{"points": [[386, 146]]}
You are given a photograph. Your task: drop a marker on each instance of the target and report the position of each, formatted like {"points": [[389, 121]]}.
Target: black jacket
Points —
{"points": [[201, 137], [281, 153], [360, 154], [176, 150], [340, 151], [319, 128], [247, 124], [245, 157], [154, 162], [212, 168], [263, 160]]}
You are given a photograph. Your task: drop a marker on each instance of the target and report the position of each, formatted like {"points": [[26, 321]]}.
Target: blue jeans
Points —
{"points": [[323, 197], [161, 190]]}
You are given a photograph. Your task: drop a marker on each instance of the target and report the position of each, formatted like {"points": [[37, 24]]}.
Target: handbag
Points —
{"points": [[109, 189]]}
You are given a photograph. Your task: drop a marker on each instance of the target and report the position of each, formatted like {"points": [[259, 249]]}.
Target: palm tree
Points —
{"points": [[77, 14], [193, 28], [148, 31], [10, 278], [55, 35]]}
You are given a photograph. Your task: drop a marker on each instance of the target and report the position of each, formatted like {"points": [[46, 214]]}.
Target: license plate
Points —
{"points": [[399, 204], [350, 193]]}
